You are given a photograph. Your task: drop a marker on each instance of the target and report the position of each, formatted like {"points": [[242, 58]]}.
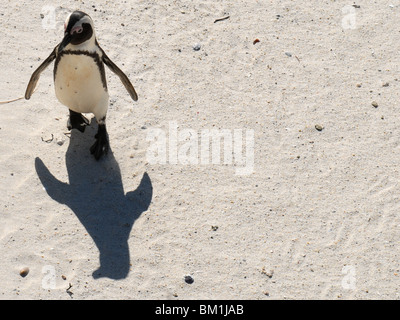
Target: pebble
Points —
{"points": [[288, 54], [319, 127], [374, 104], [24, 272], [197, 47], [189, 279], [268, 273]]}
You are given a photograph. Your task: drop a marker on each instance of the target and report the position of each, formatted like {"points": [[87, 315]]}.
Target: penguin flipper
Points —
{"points": [[125, 81], [35, 75]]}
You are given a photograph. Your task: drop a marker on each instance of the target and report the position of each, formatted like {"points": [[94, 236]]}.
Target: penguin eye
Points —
{"points": [[77, 29]]}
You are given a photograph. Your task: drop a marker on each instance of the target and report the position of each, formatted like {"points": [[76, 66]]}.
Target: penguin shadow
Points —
{"points": [[95, 194]]}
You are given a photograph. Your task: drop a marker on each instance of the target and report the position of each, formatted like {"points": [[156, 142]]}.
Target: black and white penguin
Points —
{"points": [[79, 77]]}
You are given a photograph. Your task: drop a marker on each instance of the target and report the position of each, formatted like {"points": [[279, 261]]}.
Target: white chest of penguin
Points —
{"points": [[79, 85]]}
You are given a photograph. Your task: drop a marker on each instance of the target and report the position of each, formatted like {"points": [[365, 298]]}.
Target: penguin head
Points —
{"points": [[78, 29]]}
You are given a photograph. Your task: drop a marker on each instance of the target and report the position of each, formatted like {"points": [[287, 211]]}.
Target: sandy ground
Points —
{"points": [[317, 218]]}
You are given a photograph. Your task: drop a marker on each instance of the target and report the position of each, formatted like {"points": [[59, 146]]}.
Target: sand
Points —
{"points": [[315, 217]]}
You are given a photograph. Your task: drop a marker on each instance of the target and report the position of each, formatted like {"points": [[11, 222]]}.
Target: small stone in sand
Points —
{"points": [[319, 127], [24, 272], [189, 279], [268, 273], [374, 104], [197, 47]]}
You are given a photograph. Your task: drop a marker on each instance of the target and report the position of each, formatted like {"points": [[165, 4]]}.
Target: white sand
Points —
{"points": [[317, 219]]}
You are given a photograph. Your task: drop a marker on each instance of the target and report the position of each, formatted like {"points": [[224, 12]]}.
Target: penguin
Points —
{"points": [[79, 78]]}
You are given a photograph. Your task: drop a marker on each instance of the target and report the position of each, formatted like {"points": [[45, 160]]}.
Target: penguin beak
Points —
{"points": [[64, 42]]}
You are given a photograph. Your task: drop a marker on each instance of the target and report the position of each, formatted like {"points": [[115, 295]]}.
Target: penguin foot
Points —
{"points": [[101, 145], [77, 121]]}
